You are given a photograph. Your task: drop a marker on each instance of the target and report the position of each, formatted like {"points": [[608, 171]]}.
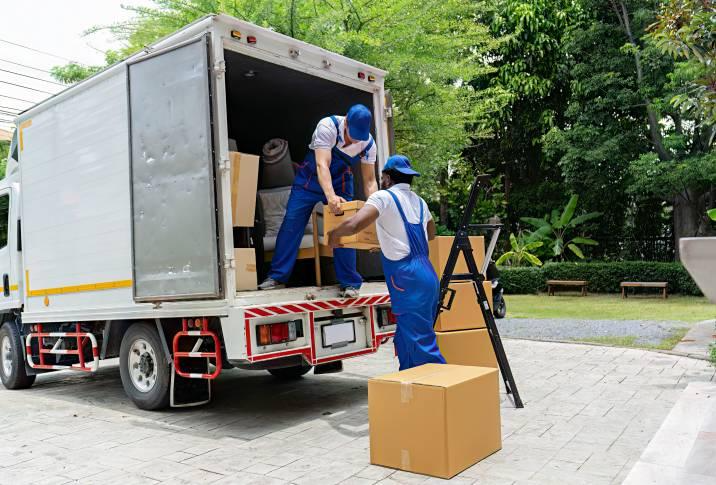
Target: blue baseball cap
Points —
{"points": [[400, 163], [359, 119]]}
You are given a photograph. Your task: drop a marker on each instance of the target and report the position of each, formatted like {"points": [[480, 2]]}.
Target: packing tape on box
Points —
{"points": [[405, 459], [406, 392]]}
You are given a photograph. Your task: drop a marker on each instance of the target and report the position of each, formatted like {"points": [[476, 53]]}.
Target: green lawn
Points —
{"points": [[611, 307]]}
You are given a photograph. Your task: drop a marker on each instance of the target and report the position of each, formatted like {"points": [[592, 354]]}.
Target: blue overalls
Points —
{"points": [[305, 194], [414, 289]]}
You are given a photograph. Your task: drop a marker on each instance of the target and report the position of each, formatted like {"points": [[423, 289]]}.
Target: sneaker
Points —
{"points": [[349, 292], [271, 284]]}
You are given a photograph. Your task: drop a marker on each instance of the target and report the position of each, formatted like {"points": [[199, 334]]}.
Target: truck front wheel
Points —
{"points": [[12, 359], [143, 366]]}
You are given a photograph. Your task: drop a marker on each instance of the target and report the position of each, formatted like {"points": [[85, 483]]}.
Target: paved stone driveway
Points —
{"points": [[589, 413]]}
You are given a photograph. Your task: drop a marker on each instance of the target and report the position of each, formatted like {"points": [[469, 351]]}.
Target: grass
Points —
{"points": [[630, 340], [611, 307]]}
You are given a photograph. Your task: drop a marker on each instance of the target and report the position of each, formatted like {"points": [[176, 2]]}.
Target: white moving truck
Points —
{"points": [[116, 219]]}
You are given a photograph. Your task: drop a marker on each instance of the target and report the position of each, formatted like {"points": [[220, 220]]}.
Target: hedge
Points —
{"points": [[602, 277]]}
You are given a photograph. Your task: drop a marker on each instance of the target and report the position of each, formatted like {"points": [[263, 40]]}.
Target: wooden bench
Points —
{"points": [[644, 284], [551, 284]]}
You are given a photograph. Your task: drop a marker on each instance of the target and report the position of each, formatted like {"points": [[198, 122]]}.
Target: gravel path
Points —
{"points": [[647, 332]]}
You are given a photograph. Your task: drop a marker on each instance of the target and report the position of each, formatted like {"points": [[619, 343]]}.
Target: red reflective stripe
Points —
{"points": [[323, 305], [294, 308], [277, 309], [261, 313], [248, 338], [311, 307], [284, 353]]}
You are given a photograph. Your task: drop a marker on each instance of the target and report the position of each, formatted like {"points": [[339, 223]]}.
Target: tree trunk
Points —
{"points": [[622, 13], [690, 216]]}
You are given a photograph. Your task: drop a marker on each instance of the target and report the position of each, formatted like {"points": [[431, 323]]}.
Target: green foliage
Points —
{"points": [[712, 214], [686, 29], [520, 252], [4, 153], [522, 281], [654, 177], [557, 230], [602, 277]]}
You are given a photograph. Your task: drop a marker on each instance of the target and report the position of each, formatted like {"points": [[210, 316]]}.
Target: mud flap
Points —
{"points": [[190, 392]]}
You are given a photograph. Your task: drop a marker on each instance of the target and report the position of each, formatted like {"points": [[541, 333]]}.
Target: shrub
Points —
{"points": [[602, 277], [519, 281]]}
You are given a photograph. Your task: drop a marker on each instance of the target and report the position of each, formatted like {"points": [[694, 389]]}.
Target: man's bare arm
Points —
{"points": [[323, 168], [364, 218], [370, 185], [432, 231]]}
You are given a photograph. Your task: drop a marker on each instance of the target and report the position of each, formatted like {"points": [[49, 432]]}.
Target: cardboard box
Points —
{"points": [[245, 259], [440, 251], [465, 313], [366, 239], [244, 180], [434, 419], [467, 347]]}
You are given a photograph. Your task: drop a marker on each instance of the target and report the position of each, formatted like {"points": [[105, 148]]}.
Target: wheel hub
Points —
{"points": [[6, 356], [142, 368]]}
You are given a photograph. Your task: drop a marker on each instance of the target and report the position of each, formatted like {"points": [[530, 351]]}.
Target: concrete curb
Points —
{"points": [[595, 344]]}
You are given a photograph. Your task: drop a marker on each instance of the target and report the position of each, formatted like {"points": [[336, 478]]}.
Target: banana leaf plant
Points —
{"points": [[521, 251], [560, 232], [712, 214]]}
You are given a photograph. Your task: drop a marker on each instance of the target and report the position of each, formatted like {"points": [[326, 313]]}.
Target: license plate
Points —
{"points": [[337, 334]]}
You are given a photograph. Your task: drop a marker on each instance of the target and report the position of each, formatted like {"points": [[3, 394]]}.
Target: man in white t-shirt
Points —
{"points": [[404, 226], [326, 175]]}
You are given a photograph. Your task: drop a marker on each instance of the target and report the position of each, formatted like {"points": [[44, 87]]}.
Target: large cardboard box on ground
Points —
{"points": [[440, 251], [465, 313], [434, 419], [244, 180], [366, 239], [467, 347], [245, 259]]}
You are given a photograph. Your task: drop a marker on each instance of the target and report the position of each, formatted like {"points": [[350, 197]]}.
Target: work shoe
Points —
{"points": [[271, 284], [349, 292]]}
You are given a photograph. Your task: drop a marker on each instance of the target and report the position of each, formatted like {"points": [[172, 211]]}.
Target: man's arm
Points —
{"points": [[432, 231], [370, 186], [364, 218], [323, 167]]}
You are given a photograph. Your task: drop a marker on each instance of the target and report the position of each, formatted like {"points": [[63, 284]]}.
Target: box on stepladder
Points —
{"points": [[467, 347], [434, 419], [440, 251], [465, 313], [366, 239]]}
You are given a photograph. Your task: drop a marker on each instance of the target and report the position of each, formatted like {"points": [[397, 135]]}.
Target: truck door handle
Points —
{"points": [[6, 284]]}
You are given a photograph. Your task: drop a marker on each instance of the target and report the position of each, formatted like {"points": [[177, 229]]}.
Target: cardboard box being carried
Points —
{"points": [[245, 259], [440, 251], [465, 313], [434, 419], [366, 239], [244, 180], [467, 347]]}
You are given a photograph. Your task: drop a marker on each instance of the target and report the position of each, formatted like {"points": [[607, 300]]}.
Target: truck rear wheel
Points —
{"points": [[293, 372], [12, 359], [143, 366]]}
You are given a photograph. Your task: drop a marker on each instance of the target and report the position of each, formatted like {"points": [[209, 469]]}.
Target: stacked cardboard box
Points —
{"points": [[244, 180], [462, 334], [434, 419]]}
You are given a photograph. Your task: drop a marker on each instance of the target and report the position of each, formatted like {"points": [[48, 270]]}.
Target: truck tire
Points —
{"points": [[146, 375], [12, 359], [288, 373]]}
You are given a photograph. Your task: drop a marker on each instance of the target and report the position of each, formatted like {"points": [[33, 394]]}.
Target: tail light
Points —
{"points": [[279, 333], [251, 39], [386, 317]]}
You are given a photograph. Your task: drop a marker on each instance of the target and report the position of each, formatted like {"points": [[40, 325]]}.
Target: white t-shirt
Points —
{"points": [[391, 232], [326, 135]]}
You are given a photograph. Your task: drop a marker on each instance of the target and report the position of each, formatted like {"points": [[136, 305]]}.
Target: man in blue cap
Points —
{"points": [[326, 175], [404, 226]]}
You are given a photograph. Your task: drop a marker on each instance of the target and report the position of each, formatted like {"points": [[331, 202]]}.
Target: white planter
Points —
{"points": [[698, 254]]}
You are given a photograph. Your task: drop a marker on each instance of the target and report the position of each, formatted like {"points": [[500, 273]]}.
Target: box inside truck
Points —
{"points": [[266, 101]]}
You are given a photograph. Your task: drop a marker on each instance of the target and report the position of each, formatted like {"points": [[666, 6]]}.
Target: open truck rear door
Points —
{"points": [[174, 218]]}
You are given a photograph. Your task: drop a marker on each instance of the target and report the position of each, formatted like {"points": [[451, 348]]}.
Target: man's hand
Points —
{"points": [[334, 204], [333, 240]]}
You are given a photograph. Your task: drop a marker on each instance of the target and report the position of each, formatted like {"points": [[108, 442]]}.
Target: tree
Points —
{"points": [[4, 152], [431, 49]]}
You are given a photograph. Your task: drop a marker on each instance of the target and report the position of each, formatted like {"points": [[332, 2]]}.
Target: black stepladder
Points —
{"points": [[462, 244]]}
